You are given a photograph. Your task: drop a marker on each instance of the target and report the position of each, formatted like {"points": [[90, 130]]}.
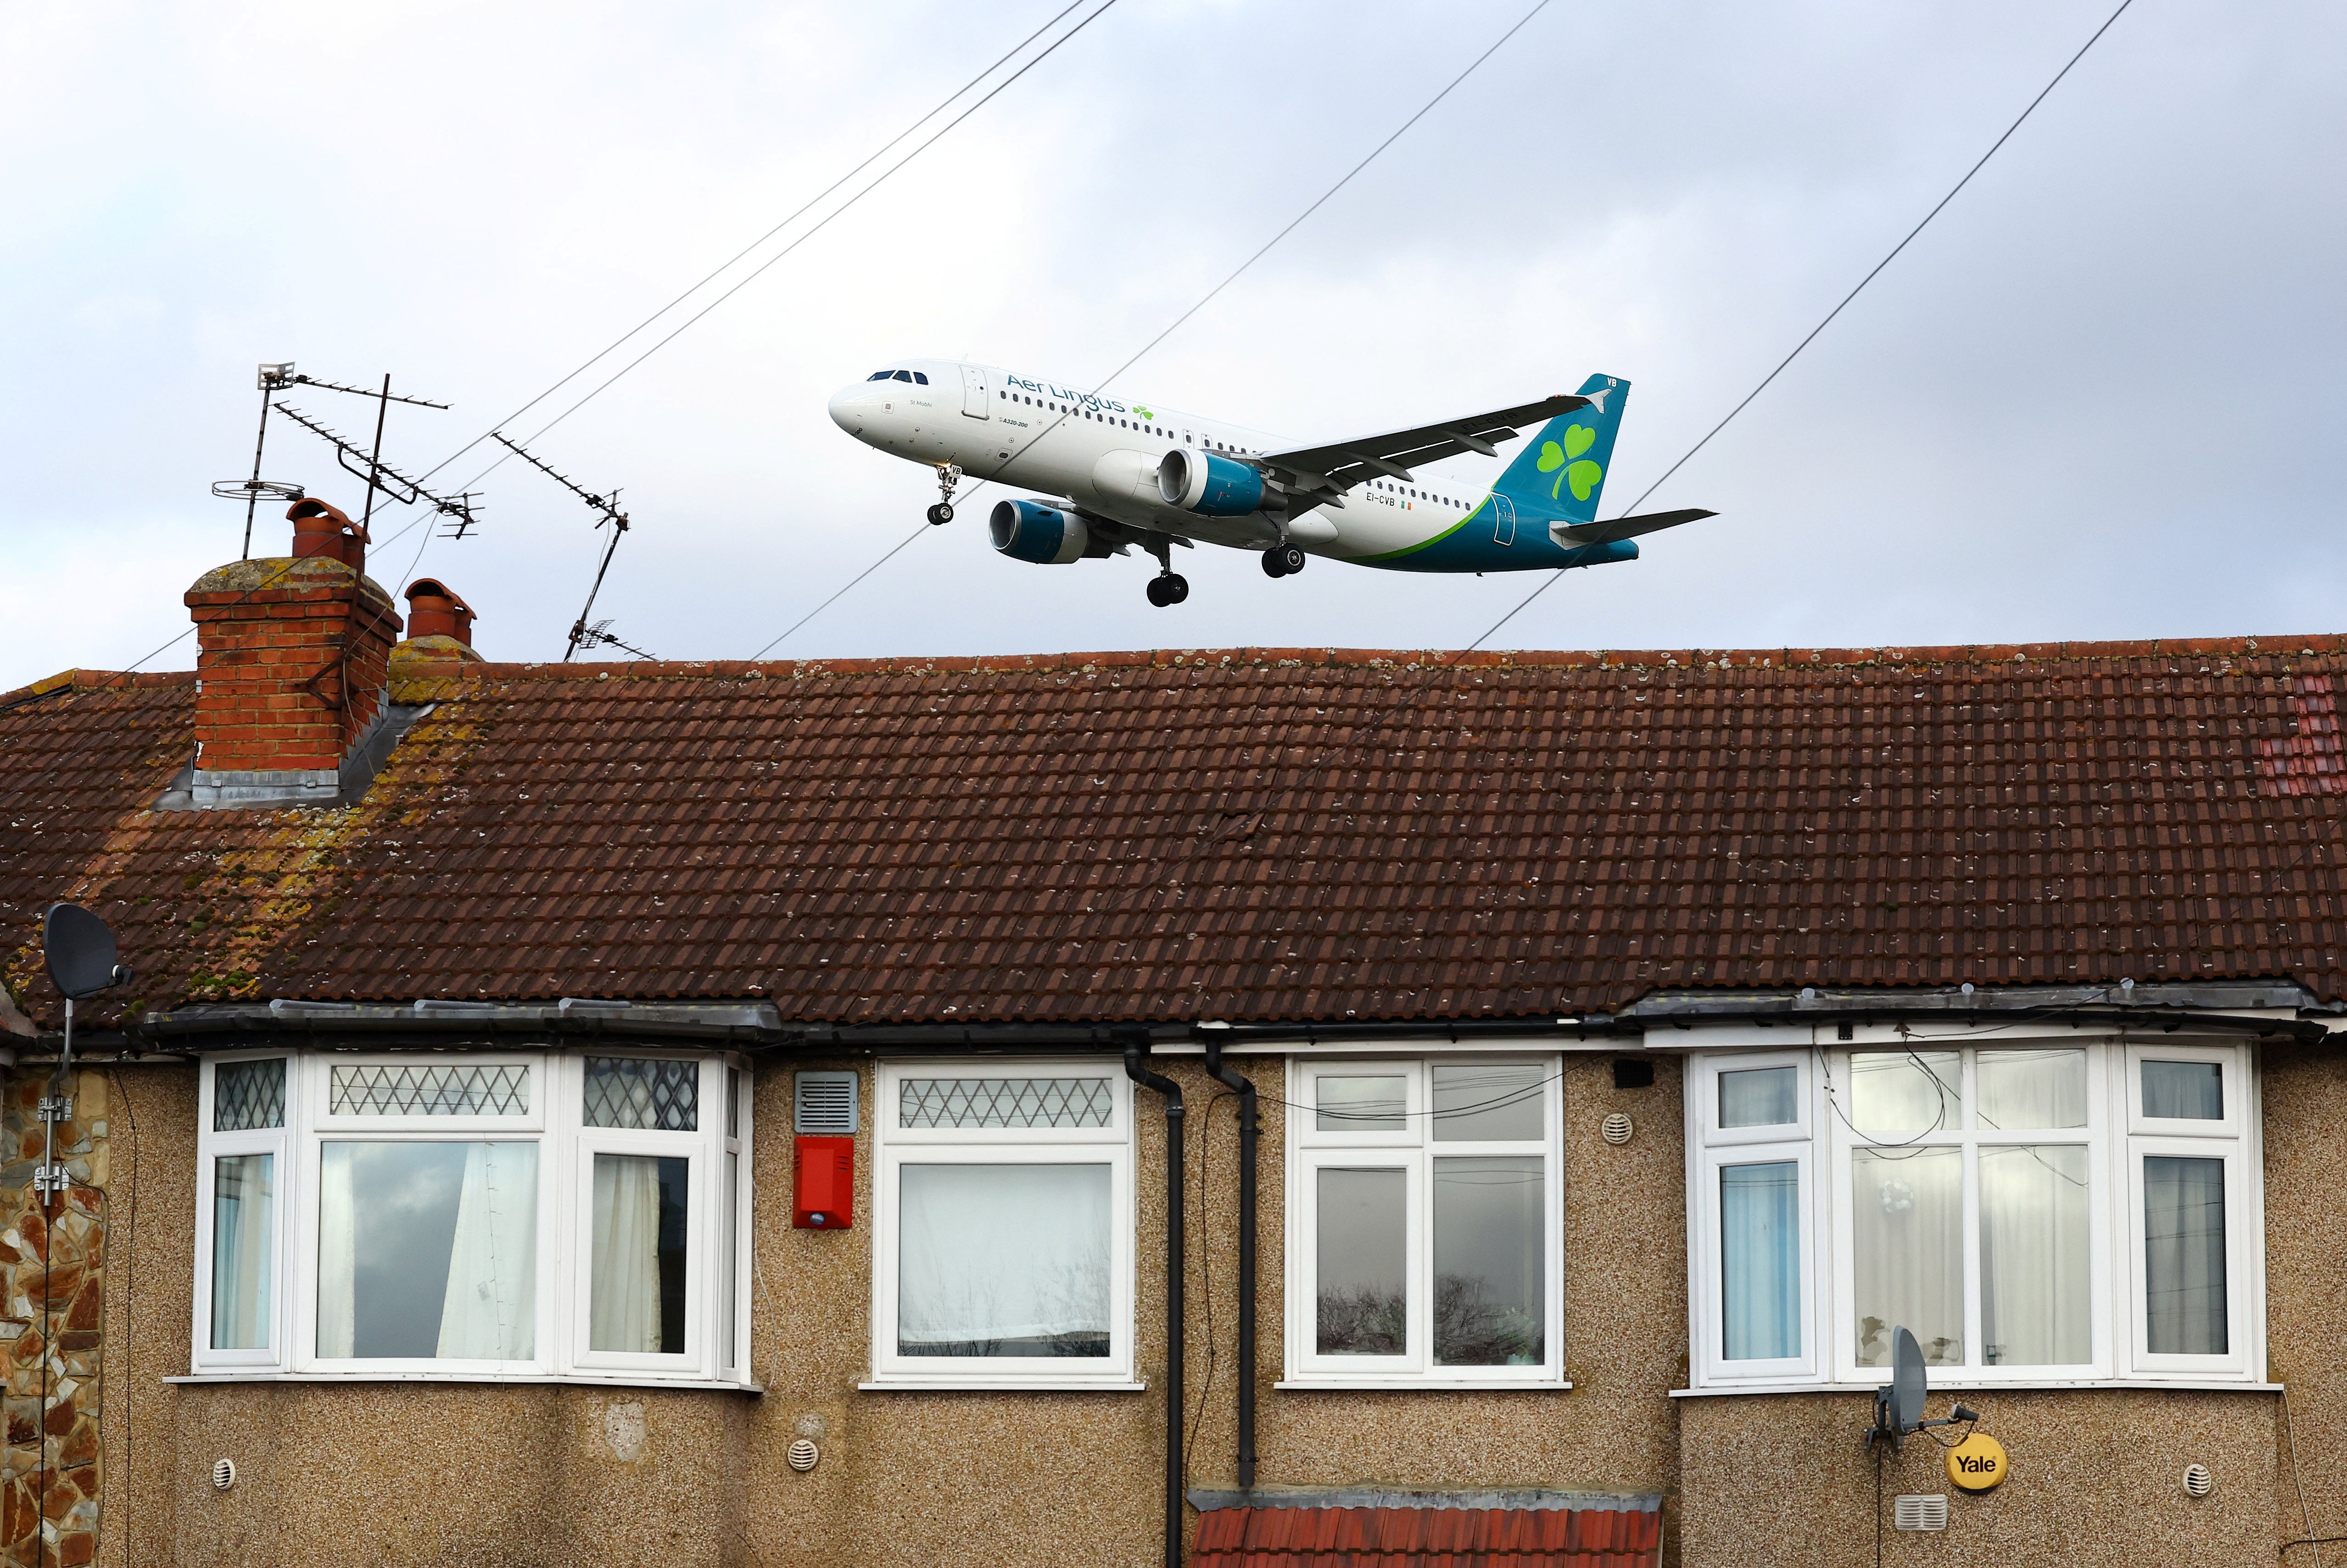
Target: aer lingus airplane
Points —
{"points": [[1118, 474]]}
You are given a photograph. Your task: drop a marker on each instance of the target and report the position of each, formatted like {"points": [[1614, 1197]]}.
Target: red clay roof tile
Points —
{"points": [[1273, 834]]}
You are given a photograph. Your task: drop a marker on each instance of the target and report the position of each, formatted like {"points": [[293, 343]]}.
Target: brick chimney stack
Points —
{"points": [[292, 679]]}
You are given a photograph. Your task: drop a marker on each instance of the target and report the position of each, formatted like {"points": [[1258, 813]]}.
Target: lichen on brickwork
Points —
{"points": [[52, 1328]]}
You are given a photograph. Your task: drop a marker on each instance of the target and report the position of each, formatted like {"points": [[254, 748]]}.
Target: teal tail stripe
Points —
{"points": [[1562, 471]]}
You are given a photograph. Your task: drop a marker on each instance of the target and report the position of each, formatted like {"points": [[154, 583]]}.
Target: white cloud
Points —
{"points": [[2096, 399]]}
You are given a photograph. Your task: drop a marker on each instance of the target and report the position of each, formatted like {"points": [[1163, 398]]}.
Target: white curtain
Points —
{"points": [[989, 1253], [490, 1310], [244, 1228], [338, 1254], [2036, 1252], [2184, 1255], [624, 1300], [2030, 1089], [1907, 1224], [1760, 1260]]}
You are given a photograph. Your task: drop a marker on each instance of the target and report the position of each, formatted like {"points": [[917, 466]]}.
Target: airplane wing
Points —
{"points": [[1328, 471], [1624, 527]]}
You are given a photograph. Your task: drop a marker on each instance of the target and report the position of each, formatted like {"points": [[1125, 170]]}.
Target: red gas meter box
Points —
{"points": [[824, 1198]]}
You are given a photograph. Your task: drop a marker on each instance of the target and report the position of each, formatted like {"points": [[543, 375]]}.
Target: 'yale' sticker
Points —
{"points": [[1977, 1463]]}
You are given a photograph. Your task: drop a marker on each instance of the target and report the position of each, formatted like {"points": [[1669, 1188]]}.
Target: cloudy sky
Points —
{"points": [[2097, 398]]}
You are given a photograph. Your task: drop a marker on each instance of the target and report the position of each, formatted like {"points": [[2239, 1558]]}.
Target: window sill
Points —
{"points": [[1986, 1386], [1000, 1386], [588, 1379], [1418, 1384]]}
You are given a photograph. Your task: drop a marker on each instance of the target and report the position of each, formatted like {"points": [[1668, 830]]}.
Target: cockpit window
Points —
{"points": [[880, 376], [904, 375], [919, 377]]}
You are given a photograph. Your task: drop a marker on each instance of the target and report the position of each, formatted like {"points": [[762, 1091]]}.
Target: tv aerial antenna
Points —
{"points": [[381, 477], [607, 511], [80, 951], [1899, 1404], [273, 379]]}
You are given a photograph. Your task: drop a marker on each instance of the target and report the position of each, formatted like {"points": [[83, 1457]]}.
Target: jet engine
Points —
{"points": [[1031, 531], [1210, 486]]}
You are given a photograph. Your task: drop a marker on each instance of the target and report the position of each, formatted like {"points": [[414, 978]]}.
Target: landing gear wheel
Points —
{"points": [[949, 476], [1282, 561], [941, 513], [1168, 588]]}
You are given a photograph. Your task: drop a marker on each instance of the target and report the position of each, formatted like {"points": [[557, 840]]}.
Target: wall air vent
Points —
{"points": [[825, 1105], [1616, 1128], [1920, 1510], [223, 1473], [2199, 1481]]}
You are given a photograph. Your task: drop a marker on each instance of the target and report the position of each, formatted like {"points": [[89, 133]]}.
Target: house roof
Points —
{"points": [[1234, 835], [1429, 1537]]}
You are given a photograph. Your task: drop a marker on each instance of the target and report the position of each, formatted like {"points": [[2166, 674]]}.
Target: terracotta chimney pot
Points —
{"points": [[434, 611], [320, 529]]}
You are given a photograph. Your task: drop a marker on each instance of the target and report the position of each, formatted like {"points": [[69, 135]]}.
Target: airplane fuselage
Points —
{"points": [[1103, 451]]}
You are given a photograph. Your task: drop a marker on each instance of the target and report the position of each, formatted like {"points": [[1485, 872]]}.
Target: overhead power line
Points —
{"points": [[1202, 301], [268, 385], [1241, 825]]}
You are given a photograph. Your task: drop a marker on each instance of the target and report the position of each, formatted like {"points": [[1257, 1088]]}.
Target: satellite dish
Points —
{"points": [[1906, 1412], [1899, 1404], [80, 949]]}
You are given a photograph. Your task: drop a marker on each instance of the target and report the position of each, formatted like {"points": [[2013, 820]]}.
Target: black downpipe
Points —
{"points": [[1134, 1056], [1249, 1135]]}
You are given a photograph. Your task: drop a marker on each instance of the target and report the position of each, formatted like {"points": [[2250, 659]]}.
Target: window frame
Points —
{"points": [[2233, 1139], [895, 1146], [2117, 1138], [276, 1141], [555, 1124], [1712, 1149], [1413, 1149]]}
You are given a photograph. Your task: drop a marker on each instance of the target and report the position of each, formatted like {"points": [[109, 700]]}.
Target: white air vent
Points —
{"points": [[223, 1473], [1920, 1510], [2199, 1480], [802, 1456], [824, 1104], [1617, 1129]]}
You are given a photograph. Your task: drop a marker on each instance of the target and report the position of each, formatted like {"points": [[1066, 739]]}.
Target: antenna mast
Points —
{"points": [[275, 378], [381, 475], [607, 511]]}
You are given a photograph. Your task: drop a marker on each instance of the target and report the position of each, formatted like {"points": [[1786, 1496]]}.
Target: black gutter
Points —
{"points": [[1136, 1053], [384, 1027], [1250, 1135]]}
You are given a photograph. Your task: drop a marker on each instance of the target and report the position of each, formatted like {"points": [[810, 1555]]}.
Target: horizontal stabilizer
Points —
{"points": [[1624, 527]]}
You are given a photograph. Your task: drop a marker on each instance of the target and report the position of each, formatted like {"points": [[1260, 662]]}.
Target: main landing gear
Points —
{"points": [[949, 476], [1282, 561], [1168, 587]]}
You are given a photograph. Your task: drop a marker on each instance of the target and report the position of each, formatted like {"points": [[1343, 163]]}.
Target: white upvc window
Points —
{"points": [[1003, 1246], [1425, 1204], [1754, 1287], [2038, 1211], [523, 1214]]}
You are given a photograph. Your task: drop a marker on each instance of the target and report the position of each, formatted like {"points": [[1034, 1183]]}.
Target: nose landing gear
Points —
{"points": [[949, 476], [1282, 561]]}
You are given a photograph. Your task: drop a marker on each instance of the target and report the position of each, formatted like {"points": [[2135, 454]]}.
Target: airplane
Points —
{"points": [[1118, 473]]}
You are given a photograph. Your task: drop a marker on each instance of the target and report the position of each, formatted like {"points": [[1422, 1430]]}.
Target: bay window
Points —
{"points": [[2032, 1210], [1425, 1198], [1002, 1249], [520, 1214]]}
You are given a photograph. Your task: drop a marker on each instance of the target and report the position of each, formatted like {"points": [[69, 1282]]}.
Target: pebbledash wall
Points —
{"points": [[409, 1473]]}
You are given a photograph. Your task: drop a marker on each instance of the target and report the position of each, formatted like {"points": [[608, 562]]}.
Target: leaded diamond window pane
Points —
{"points": [[432, 1089], [249, 1094], [1006, 1103], [634, 1091]]}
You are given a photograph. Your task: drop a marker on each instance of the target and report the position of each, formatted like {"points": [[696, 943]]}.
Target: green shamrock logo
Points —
{"points": [[1583, 475], [1142, 412]]}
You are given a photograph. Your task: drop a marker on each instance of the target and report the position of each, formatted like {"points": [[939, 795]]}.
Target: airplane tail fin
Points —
{"points": [[1563, 468]]}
